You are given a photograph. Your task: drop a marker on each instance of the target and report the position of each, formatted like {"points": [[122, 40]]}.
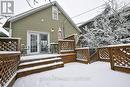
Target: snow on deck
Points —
{"points": [[40, 66], [38, 56], [97, 74], [40, 61]]}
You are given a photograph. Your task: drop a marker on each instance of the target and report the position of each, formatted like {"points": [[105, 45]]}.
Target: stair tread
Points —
{"points": [[39, 61], [38, 67], [66, 50], [81, 59], [41, 56]]}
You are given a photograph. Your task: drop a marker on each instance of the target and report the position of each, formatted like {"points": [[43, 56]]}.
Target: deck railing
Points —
{"points": [[66, 45], [83, 54], [103, 54], [117, 55], [71, 37], [9, 60], [9, 44], [8, 66], [120, 57]]}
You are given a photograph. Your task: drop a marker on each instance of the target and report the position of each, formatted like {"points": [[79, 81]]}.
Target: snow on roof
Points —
{"points": [[3, 31]]}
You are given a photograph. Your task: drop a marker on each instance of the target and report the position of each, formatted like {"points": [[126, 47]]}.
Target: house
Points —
{"points": [[41, 26], [3, 32]]}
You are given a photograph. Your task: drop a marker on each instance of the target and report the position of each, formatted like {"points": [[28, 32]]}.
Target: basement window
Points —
{"points": [[55, 13]]}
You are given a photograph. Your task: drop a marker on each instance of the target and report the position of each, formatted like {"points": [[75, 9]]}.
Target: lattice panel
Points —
{"points": [[121, 57], [8, 45], [125, 50], [66, 45], [104, 53], [82, 54], [8, 67]]}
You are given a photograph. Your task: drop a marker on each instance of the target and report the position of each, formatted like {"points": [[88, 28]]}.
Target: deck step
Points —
{"points": [[39, 68], [39, 62], [37, 57], [82, 61], [39, 65]]}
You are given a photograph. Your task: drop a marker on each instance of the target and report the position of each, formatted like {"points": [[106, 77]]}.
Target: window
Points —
{"points": [[54, 13]]}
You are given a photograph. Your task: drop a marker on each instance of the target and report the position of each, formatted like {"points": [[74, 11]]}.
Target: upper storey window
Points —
{"points": [[55, 13]]}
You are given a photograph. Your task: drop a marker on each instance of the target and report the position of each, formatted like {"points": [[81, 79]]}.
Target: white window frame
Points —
{"points": [[55, 13]]}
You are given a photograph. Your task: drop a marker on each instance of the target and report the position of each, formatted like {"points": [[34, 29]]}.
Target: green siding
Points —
{"points": [[33, 23]]}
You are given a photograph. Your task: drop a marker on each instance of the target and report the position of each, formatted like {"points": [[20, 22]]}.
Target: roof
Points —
{"points": [[90, 20], [29, 12], [3, 32]]}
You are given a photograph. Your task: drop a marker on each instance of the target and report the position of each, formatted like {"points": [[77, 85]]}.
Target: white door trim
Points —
{"points": [[29, 37], [37, 32]]}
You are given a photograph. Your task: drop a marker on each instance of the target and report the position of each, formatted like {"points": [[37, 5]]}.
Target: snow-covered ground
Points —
{"points": [[97, 74]]}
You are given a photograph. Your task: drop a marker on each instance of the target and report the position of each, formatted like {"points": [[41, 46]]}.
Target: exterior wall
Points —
{"points": [[33, 23]]}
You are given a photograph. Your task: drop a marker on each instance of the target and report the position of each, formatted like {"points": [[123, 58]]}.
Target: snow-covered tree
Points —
{"points": [[109, 28]]}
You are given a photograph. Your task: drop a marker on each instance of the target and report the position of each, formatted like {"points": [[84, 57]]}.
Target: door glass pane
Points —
{"points": [[33, 43], [44, 43]]}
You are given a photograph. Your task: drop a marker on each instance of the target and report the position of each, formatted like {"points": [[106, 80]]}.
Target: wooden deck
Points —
{"points": [[38, 56], [10, 61], [43, 62], [69, 57]]}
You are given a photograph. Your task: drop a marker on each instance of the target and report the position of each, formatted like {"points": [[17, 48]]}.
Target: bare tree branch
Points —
{"points": [[29, 3]]}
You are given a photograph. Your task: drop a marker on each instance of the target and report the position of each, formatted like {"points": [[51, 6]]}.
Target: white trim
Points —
{"points": [[10, 29], [36, 32], [28, 42], [55, 10], [10, 32], [37, 40]]}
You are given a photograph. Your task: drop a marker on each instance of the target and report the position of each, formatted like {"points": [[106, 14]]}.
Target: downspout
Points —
{"points": [[63, 27], [10, 30]]}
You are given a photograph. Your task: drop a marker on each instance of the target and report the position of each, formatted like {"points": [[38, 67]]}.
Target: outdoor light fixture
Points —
{"points": [[52, 29], [42, 20]]}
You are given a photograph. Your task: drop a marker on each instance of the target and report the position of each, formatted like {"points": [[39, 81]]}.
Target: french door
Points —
{"points": [[43, 43], [37, 43]]}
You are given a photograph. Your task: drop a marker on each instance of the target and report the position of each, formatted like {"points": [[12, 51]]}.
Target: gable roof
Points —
{"points": [[90, 20], [27, 13]]}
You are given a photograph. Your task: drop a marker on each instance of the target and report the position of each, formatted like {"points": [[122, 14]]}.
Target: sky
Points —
{"points": [[71, 7]]}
